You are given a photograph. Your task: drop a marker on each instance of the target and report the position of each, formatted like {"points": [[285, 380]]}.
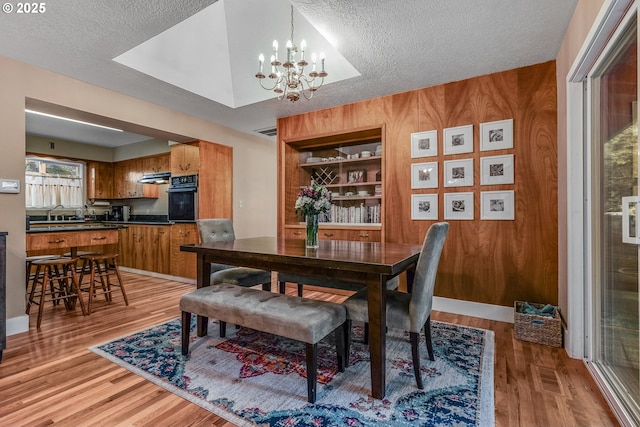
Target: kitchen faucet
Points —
{"points": [[51, 210]]}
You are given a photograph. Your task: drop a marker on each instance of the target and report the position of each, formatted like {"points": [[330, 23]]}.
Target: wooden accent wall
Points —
{"points": [[495, 262]]}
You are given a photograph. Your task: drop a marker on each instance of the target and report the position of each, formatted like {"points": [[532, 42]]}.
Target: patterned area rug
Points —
{"points": [[254, 378]]}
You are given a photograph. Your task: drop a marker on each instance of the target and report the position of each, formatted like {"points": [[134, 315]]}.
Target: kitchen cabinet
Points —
{"points": [[183, 264], [185, 159], [156, 164], [215, 181], [99, 180], [213, 163], [126, 174], [350, 166], [146, 247]]}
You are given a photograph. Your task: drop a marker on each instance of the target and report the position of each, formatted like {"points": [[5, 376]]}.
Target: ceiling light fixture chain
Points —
{"points": [[289, 80]]}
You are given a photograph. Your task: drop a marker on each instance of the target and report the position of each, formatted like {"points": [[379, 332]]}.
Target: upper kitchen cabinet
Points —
{"points": [[156, 164], [185, 159], [126, 174], [99, 180]]}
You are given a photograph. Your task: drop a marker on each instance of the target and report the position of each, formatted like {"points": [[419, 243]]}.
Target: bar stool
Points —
{"points": [[58, 281], [105, 272], [81, 270], [29, 265]]}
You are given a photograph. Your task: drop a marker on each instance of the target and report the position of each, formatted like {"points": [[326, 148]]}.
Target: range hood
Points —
{"points": [[155, 178]]}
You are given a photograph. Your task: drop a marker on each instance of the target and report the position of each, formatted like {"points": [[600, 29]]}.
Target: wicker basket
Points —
{"points": [[539, 329]]}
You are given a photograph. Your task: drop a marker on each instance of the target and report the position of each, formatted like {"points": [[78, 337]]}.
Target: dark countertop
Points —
{"points": [[54, 228], [138, 222]]}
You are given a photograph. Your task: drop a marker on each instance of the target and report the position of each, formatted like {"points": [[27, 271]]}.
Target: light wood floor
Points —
{"points": [[49, 376]]}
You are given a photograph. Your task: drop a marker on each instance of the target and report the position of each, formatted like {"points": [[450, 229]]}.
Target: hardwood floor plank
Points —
{"points": [[49, 377]]}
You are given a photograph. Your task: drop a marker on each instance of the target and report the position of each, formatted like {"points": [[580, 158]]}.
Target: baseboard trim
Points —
{"points": [[159, 275], [473, 309], [17, 325]]}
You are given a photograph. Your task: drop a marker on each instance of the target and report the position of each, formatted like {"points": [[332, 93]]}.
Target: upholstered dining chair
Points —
{"points": [[214, 230], [408, 311]]}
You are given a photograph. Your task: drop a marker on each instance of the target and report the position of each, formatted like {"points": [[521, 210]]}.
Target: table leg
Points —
{"points": [[202, 279], [376, 285]]}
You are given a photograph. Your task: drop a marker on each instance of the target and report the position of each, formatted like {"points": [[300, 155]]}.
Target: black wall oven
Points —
{"points": [[183, 198]]}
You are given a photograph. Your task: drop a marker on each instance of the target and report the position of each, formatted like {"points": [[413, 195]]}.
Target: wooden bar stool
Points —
{"points": [[105, 272], [29, 265], [58, 281]]}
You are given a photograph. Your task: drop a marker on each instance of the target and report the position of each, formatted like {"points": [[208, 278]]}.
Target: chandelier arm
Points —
{"points": [[275, 84]]}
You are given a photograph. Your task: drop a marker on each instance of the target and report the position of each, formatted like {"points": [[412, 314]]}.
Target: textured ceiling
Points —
{"points": [[395, 45]]}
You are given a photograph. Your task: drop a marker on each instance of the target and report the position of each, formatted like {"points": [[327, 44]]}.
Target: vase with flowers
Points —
{"points": [[312, 201]]}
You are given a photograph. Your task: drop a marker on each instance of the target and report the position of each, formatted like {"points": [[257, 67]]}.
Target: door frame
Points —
{"points": [[578, 340]]}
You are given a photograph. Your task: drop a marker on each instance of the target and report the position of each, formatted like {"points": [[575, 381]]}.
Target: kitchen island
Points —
{"points": [[59, 238]]}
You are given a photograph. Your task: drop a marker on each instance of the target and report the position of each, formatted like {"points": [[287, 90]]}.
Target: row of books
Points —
{"points": [[353, 215]]}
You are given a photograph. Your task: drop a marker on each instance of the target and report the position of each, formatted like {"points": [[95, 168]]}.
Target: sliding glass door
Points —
{"points": [[615, 233]]}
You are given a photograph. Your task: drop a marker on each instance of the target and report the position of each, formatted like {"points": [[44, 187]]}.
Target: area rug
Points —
{"points": [[252, 378]]}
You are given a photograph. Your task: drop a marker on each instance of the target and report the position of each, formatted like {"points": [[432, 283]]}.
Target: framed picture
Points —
{"points": [[458, 173], [424, 144], [424, 175], [496, 135], [496, 170], [458, 206], [424, 206], [356, 175], [458, 140], [497, 205]]}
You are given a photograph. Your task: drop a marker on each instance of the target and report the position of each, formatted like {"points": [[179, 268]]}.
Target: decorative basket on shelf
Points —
{"points": [[539, 329]]}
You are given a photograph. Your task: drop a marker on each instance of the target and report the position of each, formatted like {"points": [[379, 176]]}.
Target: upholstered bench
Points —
{"points": [[300, 319]]}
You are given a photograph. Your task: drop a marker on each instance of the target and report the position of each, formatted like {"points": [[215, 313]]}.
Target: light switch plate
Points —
{"points": [[9, 186]]}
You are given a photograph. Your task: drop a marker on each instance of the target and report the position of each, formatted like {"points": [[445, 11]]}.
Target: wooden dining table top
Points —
{"points": [[354, 256], [370, 264]]}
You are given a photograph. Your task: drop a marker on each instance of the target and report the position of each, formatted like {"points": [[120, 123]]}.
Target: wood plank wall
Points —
{"points": [[495, 262]]}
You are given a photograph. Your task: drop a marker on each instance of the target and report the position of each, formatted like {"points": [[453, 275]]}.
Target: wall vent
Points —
{"points": [[268, 131]]}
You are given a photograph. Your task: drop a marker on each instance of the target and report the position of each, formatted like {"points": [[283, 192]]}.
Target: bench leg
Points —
{"points": [[186, 327], [340, 345], [347, 342], [300, 286], [281, 287], [223, 328], [312, 371]]}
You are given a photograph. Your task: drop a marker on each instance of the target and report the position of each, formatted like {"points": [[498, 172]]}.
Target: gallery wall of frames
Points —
{"points": [[494, 170], [479, 153]]}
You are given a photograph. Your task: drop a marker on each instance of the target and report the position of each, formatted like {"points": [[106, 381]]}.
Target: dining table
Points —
{"points": [[369, 264]]}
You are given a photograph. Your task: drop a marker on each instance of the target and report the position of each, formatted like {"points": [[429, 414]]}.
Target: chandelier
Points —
{"points": [[288, 78]]}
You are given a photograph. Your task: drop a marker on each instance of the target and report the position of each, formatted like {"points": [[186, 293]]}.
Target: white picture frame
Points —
{"points": [[424, 207], [496, 135], [458, 140], [458, 206], [497, 205], [495, 170], [424, 175], [458, 173], [424, 144]]}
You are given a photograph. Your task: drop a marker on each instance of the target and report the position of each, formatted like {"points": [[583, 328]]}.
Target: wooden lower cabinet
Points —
{"points": [[146, 247], [183, 264], [331, 233]]}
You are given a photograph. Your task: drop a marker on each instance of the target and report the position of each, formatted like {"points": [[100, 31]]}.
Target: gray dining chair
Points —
{"points": [[213, 230], [408, 311]]}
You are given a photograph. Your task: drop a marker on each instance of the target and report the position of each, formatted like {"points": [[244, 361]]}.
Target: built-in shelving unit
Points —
{"points": [[350, 166]]}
